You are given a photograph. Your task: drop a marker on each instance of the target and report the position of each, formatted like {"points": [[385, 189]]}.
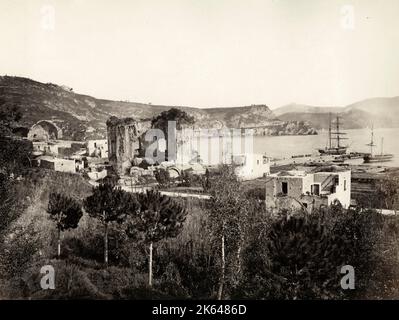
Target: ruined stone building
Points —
{"points": [[45, 136], [124, 142], [129, 139], [45, 130]]}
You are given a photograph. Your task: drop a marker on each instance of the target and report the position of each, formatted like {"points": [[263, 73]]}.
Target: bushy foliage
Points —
{"points": [[388, 192], [256, 194], [7, 201], [65, 211], [15, 153], [300, 256], [229, 215], [289, 256], [163, 177], [189, 179], [110, 204], [159, 216], [10, 114], [181, 117]]}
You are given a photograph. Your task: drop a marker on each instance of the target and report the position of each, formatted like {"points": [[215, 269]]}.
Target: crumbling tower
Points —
{"points": [[123, 142]]}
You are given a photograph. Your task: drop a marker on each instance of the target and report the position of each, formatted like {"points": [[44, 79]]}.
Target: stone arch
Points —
{"points": [[45, 130], [173, 172]]}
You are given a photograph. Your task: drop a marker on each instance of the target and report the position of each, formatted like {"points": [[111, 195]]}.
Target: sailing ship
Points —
{"points": [[337, 135], [371, 157]]}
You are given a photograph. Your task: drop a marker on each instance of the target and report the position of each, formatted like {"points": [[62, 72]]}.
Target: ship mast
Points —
{"points": [[338, 134], [371, 144], [329, 131]]}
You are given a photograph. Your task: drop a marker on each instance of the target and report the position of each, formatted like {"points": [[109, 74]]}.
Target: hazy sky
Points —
{"points": [[206, 53]]}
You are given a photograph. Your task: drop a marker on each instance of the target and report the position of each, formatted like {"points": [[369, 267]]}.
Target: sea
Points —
{"points": [[281, 147]]}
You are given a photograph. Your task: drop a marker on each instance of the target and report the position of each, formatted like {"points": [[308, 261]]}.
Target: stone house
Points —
{"points": [[58, 164], [296, 189], [97, 148]]}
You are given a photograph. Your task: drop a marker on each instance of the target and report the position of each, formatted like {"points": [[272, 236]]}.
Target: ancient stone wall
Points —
{"points": [[123, 143]]}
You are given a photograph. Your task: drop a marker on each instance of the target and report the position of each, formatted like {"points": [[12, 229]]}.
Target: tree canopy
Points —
{"points": [[181, 117], [159, 217], [109, 203], [65, 211]]}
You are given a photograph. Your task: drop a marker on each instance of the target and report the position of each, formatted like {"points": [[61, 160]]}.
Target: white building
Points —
{"points": [[98, 148], [290, 189], [45, 147], [251, 166], [59, 164]]}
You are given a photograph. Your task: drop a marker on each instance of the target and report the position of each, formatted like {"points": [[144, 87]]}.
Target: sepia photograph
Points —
{"points": [[178, 151]]}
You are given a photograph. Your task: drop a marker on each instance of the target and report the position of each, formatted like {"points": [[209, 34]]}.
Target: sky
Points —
{"points": [[203, 53]]}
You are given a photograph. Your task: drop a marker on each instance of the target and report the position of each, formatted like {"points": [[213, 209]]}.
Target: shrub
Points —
{"points": [[256, 193], [163, 177], [300, 256]]}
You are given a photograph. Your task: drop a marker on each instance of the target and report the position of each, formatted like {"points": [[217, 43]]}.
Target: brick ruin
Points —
{"points": [[124, 141]]}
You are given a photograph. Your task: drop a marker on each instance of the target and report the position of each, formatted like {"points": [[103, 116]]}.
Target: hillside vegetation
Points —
{"points": [[84, 116]]}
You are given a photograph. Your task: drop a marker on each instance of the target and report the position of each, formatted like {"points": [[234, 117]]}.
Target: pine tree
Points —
{"points": [[66, 212], [110, 204], [160, 217]]}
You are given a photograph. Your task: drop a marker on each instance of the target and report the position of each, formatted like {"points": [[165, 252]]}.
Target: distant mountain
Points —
{"points": [[378, 106], [380, 112], [303, 108], [83, 116]]}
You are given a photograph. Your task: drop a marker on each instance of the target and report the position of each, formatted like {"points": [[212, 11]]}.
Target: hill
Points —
{"points": [[84, 116], [380, 112], [303, 108]]}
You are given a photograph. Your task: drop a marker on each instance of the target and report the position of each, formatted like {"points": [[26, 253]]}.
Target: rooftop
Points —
{"points": [[331, 168], [303, 173], [290, 173], [54, 159]]}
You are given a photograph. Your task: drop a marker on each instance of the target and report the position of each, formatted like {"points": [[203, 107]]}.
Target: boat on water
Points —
{"points": [[337, 135], [339, 159], [355, 155], [371, 157], [349, 156]]}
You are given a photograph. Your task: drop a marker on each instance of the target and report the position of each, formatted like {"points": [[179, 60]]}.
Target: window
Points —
{"points": [[257, 162], [284, 187], [95, 144], [315, 189], [344, 185]]}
